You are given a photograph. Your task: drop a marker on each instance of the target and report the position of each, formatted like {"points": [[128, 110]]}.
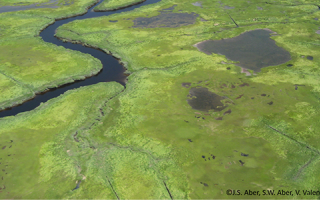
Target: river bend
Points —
{"points": [[112, 69]]}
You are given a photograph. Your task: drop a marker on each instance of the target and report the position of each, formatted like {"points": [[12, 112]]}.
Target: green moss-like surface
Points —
{"points": [[273, 159], [51, 65], [271, 121], [147, 142], [35, 155], [115, 4], [9, 90]]}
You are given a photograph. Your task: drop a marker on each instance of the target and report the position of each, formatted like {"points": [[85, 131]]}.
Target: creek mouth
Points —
{"points": [[112, 69]]}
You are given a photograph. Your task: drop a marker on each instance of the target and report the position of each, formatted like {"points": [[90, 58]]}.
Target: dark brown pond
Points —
{"points": [[204, 100], [166, 19], [253, 49]]}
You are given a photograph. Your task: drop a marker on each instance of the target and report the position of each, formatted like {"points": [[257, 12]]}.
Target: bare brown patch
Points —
{"points": [[244, 84], [227, 112], [186, 85]]}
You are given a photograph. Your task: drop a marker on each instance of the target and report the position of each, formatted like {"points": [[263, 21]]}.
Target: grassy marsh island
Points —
{"points": [[190, 124]]}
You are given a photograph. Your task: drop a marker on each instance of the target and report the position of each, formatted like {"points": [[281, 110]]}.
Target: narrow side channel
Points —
{"points": [[300, 143], [168, 190], [113, 189]]}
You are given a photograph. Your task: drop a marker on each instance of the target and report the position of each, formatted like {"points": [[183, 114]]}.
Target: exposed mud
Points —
{"points": [[186, 85]]}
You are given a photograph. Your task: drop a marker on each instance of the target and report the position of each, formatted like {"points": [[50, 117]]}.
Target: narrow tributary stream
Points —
{"points": [[112, 69]]}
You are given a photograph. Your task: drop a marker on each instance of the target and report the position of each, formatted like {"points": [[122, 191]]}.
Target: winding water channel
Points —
{"points": [[112, 69]]}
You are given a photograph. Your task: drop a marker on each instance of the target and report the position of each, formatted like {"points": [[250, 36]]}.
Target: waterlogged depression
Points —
{"points": [[253, 49]]}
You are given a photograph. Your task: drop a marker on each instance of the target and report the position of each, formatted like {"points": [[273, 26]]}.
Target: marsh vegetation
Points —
{"points": [[146, 141]]}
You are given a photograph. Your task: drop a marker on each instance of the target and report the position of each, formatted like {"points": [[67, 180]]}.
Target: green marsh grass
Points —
{"points": [[12, 92], [271, 121], [37, 163], [35, 66], [148, 136]]}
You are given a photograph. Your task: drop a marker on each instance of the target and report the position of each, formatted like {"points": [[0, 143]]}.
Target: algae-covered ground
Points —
{"points": [[189, 124]]}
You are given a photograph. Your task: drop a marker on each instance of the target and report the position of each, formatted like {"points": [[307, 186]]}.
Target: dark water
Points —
{"points": [[112, 69], [254, 49], [204, 100], [77, 186], [166, 19], [309, 57]]}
